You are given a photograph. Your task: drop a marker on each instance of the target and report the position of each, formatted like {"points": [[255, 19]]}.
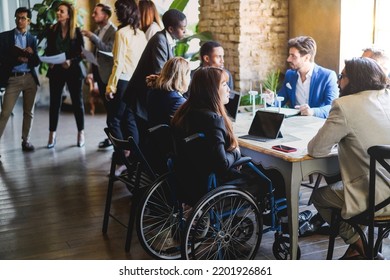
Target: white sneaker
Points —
{"points": [[119, 169]]}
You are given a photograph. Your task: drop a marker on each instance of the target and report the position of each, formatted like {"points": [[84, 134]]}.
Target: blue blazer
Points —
{"points": [[8, 58], [323, 90]]}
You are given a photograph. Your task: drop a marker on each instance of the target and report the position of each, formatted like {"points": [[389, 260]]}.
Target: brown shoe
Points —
{"points": [[27, 146]]}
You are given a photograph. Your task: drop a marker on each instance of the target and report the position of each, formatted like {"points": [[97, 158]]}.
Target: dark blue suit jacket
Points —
{"points": [[323, 90], [8, 58]]}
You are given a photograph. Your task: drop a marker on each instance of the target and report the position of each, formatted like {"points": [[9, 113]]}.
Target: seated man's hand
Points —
{"points": [[305, 110]]}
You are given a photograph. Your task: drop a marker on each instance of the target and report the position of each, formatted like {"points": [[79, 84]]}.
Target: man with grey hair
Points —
{"points": [[380, 56]]}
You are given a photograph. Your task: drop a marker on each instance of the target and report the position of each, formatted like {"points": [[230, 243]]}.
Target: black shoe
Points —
{"points": [[27, 146], [105, 144]]}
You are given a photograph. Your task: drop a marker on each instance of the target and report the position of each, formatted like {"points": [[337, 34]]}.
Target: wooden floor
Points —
{"points": [[52, 201]]}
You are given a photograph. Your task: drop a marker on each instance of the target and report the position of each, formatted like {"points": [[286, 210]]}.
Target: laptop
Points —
{"points": [[265, 126], [234, 103]]}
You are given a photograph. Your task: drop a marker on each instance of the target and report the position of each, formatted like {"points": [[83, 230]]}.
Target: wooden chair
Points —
{"points": [[378, 154], [138, 175]]}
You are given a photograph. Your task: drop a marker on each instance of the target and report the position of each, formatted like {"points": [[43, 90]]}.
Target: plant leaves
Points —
{"points": [[179, 5]]}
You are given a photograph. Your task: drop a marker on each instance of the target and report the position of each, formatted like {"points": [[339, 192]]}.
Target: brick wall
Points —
{"points": [[254, 34]]}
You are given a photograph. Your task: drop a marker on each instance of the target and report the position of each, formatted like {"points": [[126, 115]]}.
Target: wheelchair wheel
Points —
{"points": [[281, 247], [159, 220], [226, 224]]}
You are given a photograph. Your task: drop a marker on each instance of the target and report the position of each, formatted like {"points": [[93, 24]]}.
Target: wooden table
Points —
{"points": [[297, 132]]}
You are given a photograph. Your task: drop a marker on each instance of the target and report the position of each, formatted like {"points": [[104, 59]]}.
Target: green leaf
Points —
{"points": [[179, 4], [181, 49]]}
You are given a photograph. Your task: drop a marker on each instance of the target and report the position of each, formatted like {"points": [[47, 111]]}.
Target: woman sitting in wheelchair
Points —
{"points": [[216, 152]]}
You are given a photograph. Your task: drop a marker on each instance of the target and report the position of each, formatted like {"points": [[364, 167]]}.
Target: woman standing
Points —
{"points": [[65, 37], [150, 18], [128, 46]]}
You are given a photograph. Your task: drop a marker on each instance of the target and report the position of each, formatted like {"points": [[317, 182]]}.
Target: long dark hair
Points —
{"points": [[364, 74], [128, 14], [203, 94]]}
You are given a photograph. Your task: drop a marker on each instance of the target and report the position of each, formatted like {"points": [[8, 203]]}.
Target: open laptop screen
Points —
{"points": [[234, 103]]}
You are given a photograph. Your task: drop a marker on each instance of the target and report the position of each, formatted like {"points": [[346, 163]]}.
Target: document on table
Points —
{"points": [[54, 59], [90, 57]]}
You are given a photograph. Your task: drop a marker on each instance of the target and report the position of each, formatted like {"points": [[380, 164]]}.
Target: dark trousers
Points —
{"points": [[120, 117], [56, 85]]}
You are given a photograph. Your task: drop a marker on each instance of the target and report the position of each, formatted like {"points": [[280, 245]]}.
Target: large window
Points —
{"points": [[382, 24]]}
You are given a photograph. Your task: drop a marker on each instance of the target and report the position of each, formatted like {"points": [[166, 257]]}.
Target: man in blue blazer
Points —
{"points": [[18, 59], [308, 86]]}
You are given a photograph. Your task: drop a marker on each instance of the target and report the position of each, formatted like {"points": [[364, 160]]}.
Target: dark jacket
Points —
{"points": [[73, 54], [156, 53], [199, 158], [161, 106], [8, 58]]}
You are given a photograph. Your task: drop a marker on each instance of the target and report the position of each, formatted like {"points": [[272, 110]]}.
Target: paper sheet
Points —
{"points": [[90, 57], [54, 59], [107, 53]]}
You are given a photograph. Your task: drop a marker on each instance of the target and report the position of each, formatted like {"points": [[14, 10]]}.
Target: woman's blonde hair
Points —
{"points": [[174, 75], [72, 18]]}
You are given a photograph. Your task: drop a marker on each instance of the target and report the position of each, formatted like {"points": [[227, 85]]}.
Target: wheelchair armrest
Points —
{"points": [[193, 137], [158, 127], [241, 161]]}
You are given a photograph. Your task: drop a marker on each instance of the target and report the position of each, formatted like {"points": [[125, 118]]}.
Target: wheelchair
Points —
{"points": [[226, 223]]}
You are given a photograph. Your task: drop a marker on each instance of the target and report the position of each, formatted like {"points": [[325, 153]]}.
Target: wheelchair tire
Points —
{"points": [[159, 220], [281, 248], [226, 224]]}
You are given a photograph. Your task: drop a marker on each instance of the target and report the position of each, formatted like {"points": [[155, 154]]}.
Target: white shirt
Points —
{"points": [[302, 91], [103, 30]]}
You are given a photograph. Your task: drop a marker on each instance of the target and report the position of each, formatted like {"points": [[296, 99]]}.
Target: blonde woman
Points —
{"points": [[168, 88], [65, 37]]}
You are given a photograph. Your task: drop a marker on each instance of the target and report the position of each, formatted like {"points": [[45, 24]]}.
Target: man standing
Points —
{"points": [[103, 39], [212, 54], [308, 86], [158, 51], [18, 59]]}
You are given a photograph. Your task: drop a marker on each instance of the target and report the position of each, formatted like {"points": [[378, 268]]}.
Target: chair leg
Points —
{"points": [[130, 226], [315, 187], [109, 196], [334, 230]]}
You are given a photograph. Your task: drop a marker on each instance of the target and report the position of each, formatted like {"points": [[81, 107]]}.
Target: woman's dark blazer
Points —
{"points": [[201, 157], [74, 54]]}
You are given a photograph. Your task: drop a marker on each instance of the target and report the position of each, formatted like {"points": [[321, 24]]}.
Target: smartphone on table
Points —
{"points": [[284, 148]]}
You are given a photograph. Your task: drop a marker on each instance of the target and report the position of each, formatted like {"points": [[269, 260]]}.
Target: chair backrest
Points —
{"points": [[380, 154], [135, 153]]}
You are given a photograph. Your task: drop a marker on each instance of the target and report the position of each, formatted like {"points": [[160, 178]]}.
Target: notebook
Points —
{"points": [[234, 103], [265, 126]]}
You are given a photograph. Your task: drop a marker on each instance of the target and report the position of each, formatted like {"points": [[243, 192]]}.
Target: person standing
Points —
{"points": [[150, 18], [129, 43], [18, 59], [307, 86], [158, 51], [103, 40], [357, 120], [65, 37]]}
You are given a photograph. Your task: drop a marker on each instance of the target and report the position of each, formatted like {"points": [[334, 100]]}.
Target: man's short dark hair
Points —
{"points": [[305, 45], [23, 10], [207, 48], [105, 8], [173, 18]]}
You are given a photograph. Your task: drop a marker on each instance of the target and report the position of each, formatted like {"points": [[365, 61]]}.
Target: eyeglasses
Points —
{"points": [[341, 75], [21, 18]]}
